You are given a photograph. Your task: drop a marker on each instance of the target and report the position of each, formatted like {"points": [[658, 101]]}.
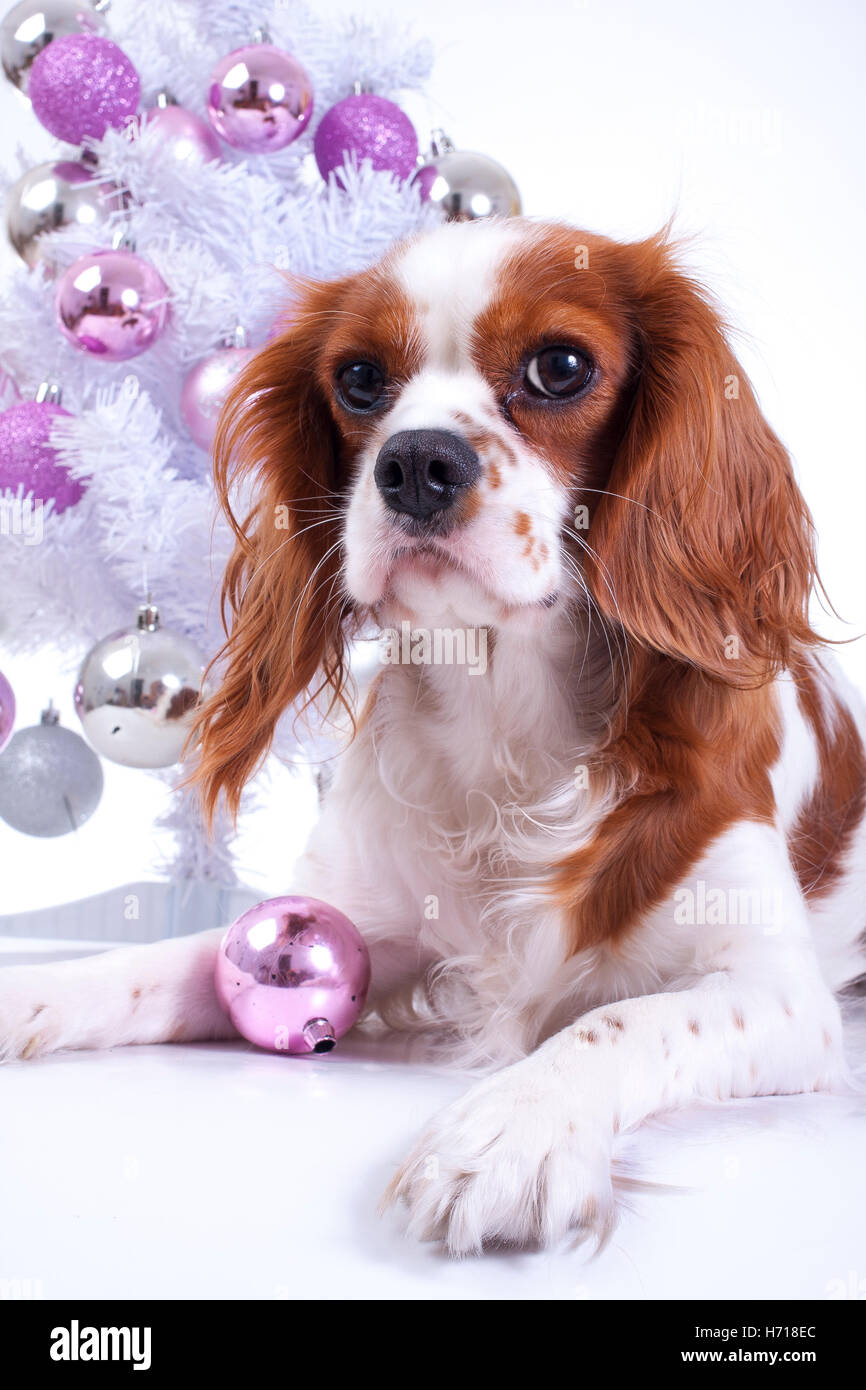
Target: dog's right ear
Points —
{"points": [[283, 605]]}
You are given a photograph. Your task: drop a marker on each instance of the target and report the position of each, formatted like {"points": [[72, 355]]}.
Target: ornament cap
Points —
{"points": [[319, 1035], [261, 35], [164, 99], [50, 715], [238, 338], [122, 239], [440, 143], [361, 87], [147, 617], [49, 393]]}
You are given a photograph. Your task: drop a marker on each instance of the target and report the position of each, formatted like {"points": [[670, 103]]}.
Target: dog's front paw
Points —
{"points": [[511, 1163], [30, 1022]]}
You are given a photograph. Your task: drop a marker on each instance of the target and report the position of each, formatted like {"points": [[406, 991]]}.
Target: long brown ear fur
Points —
{"points": [[282, 600], [708, 555]]}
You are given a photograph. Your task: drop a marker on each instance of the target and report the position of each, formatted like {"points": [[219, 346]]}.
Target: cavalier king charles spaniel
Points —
{"points": [[620, 866]]}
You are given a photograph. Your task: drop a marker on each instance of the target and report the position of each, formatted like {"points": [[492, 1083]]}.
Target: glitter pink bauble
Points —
{"points": [[206, 388], [368, 127], [260, 99], [112, 304], [27, 459], [182, 135], [292, 974], [81, 84], [7, 711]]}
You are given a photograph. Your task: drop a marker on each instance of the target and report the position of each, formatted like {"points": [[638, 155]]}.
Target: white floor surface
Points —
{"points": [[220, 1171]]}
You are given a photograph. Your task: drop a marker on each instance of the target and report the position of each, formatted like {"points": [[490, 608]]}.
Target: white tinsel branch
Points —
{"points": [[223, 237]]}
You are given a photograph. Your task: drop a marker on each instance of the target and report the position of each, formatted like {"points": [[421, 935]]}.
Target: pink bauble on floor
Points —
{"points": [[81, 84], [292, 974], [112, 304], [260, 98], [27, 459]]}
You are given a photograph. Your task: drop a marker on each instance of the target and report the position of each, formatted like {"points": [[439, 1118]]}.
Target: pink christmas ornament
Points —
{"points": [[7, 711], [81, 84], [27, 459], [292, 974], [260, 98], [368, 127], [206, 388], [112, 304], [9, 392], [182, 135]]}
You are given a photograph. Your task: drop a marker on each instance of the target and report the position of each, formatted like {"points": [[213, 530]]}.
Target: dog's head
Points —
{"points": [[498, 420]]}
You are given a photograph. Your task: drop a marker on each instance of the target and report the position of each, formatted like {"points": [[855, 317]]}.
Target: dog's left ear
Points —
{"points": [[707, 554], [282, 598]]}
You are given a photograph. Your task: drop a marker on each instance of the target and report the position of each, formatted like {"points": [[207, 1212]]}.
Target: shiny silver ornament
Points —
{"points": [[32, 24], [50, 781], [137, 692], [59, 193], [467, 186]]}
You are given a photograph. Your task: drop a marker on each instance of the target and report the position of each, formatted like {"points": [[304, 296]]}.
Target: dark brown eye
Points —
{"points": [[558, 371], [360, 385]]}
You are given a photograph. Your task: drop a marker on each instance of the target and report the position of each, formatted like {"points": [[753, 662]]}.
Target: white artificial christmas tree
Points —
{"points": [[222, 236]]}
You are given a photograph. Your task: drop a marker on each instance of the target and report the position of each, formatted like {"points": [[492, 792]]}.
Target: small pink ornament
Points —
{"points": [[292, 974], [182, 135], [80, 85], [206, 388], [9, 392], [7, 711], [112, 304], [27, 459], [368, 127], [260, 99]]}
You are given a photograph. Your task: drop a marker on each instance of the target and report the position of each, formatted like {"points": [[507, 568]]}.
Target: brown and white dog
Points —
{"points": [[626, 863]]}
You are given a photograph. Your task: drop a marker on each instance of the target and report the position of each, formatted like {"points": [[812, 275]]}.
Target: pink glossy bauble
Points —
{"points": [[7, 711], [206, 388], [112, 304], [260, 98], [9, 393], [292, 974], [182, 135]]}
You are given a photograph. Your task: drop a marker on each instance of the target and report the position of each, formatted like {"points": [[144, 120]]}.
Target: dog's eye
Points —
{"points": [[558, 371], [360, 385]]}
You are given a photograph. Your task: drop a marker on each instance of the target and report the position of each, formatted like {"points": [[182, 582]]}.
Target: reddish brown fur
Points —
{"points": [[281, 588], [691, 757], [700, 536], [821, 836]]}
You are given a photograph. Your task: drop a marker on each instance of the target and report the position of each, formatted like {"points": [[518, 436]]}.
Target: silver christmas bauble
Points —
{"points": [[466, 185], [29, 26], [50, 781], [137, 692], [60, 193]]}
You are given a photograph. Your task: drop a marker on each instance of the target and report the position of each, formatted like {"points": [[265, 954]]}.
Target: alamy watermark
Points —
{"points": [[706, 906], [438, 646], [23, 516]]}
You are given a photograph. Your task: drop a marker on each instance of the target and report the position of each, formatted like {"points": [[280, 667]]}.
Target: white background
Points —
{"points": [[746, 120]]}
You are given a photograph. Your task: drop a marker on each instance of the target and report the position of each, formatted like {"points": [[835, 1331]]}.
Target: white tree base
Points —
{"points": [[134, 912]]}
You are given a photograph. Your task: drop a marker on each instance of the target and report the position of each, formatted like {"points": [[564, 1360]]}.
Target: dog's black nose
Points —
{"points": [[420, 472]]}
